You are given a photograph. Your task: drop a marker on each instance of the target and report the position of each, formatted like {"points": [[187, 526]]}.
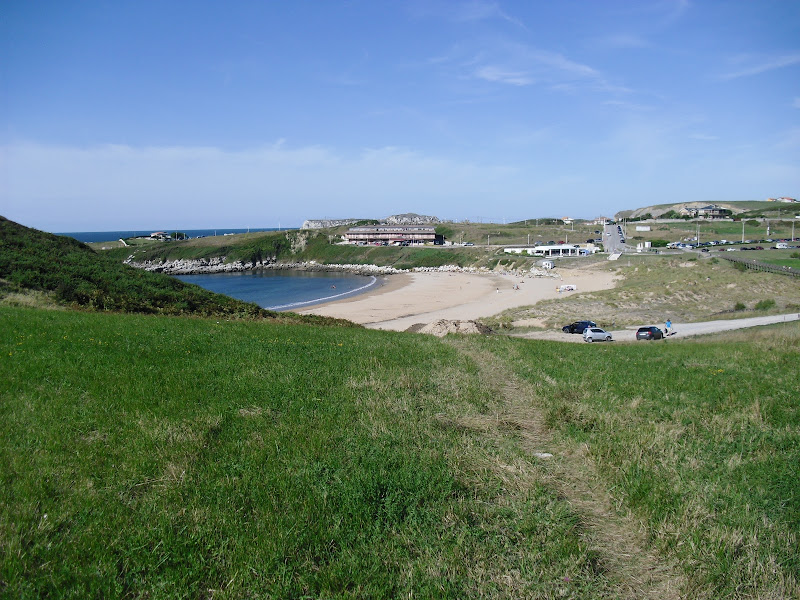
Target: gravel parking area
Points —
{"points": [[680, 329]]}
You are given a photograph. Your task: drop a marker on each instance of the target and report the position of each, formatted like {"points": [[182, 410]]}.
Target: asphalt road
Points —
{"points": [[612, 239]]}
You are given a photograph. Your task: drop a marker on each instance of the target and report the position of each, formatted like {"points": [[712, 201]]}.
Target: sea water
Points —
{"points": [[110, 236], [285, 289]]}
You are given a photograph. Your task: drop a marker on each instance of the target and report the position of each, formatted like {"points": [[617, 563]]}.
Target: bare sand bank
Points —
{"points": [[421, 298]]}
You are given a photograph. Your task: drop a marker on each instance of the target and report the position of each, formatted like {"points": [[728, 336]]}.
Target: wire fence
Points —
{"points": [[760, 266]]}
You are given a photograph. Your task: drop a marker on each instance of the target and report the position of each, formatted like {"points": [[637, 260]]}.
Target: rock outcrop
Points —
{"points": [[442, 327], [325, 223], [220, 265], [410, 219]]}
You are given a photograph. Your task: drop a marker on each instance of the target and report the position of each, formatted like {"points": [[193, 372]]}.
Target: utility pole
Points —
{"points": [[743, 231], [487, 240]]}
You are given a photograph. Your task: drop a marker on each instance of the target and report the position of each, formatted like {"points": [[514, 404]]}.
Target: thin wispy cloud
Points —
{"points": [[771, 64], [480, 11], [628, 106], [796, 102], [676, 9], [704, 137], [562, 64], [463, 12], [498, 75]]}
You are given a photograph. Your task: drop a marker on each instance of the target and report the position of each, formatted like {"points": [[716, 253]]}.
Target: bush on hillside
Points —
{"points": [[765, 304]]}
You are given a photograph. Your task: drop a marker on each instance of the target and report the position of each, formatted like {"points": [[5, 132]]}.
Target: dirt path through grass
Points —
{"points": [[617, 538]]}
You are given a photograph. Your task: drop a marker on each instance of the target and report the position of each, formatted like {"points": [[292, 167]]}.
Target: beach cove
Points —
{"points": [[405, 300]]}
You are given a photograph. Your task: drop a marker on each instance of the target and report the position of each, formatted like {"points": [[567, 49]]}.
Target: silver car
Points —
{"points": [[595, 334]]}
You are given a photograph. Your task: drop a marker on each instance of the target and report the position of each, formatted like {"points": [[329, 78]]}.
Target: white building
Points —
{"points": [[552, 251]]}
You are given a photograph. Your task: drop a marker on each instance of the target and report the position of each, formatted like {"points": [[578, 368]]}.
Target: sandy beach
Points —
{"points": [[409, 299]]}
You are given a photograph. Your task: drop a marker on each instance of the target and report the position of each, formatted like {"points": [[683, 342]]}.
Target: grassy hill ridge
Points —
{"points": [[72, 274], [740, 209]]}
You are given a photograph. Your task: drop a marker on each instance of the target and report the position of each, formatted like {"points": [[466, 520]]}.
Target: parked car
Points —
{"points": [[578, 326], [595, 334], [649, 333]]}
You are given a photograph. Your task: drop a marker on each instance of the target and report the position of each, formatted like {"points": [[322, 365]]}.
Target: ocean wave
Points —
{"points": [[373, 281]]}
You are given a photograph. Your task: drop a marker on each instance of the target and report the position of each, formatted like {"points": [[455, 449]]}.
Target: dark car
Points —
{"points": [[578, 326], [649, 333]]}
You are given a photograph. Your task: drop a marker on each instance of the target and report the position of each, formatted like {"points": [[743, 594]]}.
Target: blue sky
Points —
{"points": [[136, 115]]}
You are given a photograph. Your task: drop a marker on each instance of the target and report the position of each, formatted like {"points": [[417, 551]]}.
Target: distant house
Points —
{"points": [[601, 221], [567, 220], [392, 234]]}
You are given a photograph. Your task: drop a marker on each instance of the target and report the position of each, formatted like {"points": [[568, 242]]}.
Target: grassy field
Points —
{"points": [[151, 456]]}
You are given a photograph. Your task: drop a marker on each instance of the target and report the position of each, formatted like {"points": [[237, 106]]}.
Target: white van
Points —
{"points": [[782, 246]]}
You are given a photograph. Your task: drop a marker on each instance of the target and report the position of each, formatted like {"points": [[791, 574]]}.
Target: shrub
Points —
{"points": [[739, 306], [765, 304]]}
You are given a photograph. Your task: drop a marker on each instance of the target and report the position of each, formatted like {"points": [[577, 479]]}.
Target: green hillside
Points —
{"points": [[70, 273]]}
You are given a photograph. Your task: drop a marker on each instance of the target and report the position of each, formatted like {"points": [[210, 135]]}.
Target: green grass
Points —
{"points": [[780, 258], [700, 440], [166, 457], [152, 456]]}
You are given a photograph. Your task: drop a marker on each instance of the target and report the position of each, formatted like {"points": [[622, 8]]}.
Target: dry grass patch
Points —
{"points": [[653, 287]]}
